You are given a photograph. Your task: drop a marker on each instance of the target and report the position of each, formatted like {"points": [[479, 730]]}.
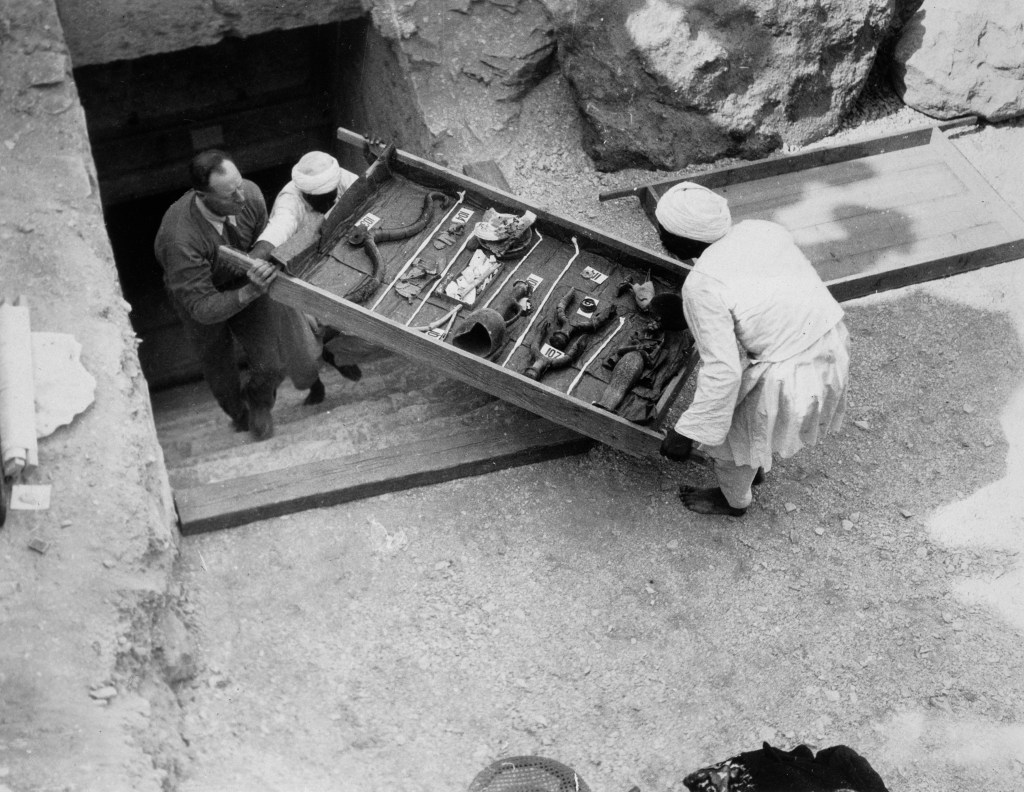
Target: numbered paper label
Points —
{"points": [[368, 221], [592, 274], [462, 216], [534, 280], [549, 351]]}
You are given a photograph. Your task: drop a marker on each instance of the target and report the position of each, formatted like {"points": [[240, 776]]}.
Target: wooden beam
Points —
{"points": [[873, 282], [429, 173], [468, 452]]}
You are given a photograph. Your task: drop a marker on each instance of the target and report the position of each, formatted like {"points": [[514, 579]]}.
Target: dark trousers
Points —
{"points": [[254, 327]]}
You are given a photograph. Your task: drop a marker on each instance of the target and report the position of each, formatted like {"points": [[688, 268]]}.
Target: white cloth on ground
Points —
{"points": [[754, 289]]}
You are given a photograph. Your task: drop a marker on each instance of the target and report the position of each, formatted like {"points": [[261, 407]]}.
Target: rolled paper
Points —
{"points": [[18, 449]]}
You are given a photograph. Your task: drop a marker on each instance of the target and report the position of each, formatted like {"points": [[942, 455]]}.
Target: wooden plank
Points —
{"points": [[762, 169], [507, 385], [876, 180], [469, 452], [990, 203], [428, 173], [940, 266], [918, 211], [892, 239]]}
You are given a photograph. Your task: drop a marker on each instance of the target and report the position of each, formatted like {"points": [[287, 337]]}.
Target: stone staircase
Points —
{"points": [[401, 425]]}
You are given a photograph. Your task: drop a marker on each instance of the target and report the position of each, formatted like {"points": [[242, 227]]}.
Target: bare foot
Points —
{"points": [[707, 501]]}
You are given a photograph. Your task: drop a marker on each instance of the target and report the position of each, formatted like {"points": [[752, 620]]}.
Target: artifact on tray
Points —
{"points": [[482, 333], [642, 292], [559, 347], [474, 279], [360, 236], [422, 273], [504, 235], [629, 362]]}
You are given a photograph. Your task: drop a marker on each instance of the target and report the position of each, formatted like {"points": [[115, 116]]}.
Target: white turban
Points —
{"points": [[316, 173], [691, 210]]}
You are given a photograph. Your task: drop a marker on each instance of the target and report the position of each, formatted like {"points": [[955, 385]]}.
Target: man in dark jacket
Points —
{"points": [[216, 304]]}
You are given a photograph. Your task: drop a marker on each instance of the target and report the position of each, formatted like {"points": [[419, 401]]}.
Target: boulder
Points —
{"points": [[173, 648], [955, 58], [664, 84], [469, 64]]}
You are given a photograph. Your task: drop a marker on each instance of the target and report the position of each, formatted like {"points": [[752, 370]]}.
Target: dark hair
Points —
{"points": [[679, 246], [203, 165]]}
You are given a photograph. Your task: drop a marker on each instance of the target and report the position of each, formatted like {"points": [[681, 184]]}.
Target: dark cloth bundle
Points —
{"points": [[835, 769]]}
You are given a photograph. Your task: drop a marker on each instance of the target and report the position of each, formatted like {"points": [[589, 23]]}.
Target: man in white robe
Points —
{"points": [[751, 290], [317, 182]]}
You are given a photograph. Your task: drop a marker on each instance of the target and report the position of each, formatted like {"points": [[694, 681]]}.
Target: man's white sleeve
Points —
{"points": [[709, 416], [284, 220]]}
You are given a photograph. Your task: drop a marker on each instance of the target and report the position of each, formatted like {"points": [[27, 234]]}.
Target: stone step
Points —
{"points": [[396, 405]]}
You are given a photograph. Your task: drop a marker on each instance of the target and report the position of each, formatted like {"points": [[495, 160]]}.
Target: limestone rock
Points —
{"points": [[955, 58], [664, 84], [174, 648], [470, 64]]}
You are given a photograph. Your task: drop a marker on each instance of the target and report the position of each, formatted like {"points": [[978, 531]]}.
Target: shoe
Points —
{"points": [[261, 424], [316, 393], [350, 372], [240, 422]]}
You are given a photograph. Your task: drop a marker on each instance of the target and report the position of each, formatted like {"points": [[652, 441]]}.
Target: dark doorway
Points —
{"points": [[266, 99]]}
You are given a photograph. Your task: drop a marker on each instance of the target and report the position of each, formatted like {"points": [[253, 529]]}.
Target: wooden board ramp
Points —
{"points": [[875, 215]]}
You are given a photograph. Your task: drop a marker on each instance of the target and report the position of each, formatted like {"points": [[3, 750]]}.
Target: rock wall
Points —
{"points": [[71, 717], [666, 84], [102, 31], [659, 84], [469, 63], [956, 58]]}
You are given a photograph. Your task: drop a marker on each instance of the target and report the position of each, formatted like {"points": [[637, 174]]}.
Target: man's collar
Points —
{"points": [[204, 210]]}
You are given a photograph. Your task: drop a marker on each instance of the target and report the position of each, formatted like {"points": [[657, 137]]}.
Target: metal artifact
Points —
{"points": [[559, 347], [629, 363], [482, 333], [361, 237]]}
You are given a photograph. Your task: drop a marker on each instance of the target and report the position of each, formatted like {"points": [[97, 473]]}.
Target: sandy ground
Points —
{"points": [[573, 609]]}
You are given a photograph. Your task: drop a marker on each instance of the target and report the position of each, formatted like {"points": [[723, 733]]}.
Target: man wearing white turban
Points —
{"points": [[751, 290], [317, 181]]}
